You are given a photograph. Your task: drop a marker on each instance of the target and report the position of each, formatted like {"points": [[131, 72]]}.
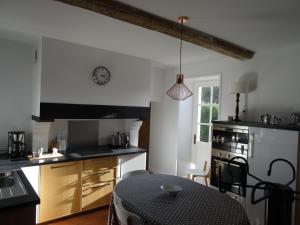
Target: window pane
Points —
{"points": [[215, 113], [216, 94], [205, 114], [204, 133], [205, 95]]}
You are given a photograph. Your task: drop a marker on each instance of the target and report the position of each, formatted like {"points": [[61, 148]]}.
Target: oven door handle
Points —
{"points": [[251, 146], [233, 130], [231, 164]]}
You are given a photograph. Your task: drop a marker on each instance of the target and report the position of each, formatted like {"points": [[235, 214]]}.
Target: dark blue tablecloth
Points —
{"points": [[194, 205]]}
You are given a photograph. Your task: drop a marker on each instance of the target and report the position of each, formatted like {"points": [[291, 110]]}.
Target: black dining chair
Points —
{"points": [[135, 172], [124, 217]]}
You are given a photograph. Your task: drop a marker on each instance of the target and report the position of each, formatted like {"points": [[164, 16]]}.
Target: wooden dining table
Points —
{"points": [[195, 204]]}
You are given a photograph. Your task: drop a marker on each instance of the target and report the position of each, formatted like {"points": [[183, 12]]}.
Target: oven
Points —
{"points": [[228, 142]]}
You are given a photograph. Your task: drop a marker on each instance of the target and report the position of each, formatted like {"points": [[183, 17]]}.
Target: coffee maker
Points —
{"points": [[16, 145]]}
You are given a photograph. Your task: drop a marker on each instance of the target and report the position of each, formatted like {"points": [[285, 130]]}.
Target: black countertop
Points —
{"points": [[30, 199], [71, 154], [291, 127]]}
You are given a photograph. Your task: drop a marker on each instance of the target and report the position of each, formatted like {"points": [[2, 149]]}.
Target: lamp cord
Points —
{"points": [[181, 24]]}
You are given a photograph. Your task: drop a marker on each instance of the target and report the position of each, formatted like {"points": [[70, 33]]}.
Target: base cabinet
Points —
{"points": [[73, 187], [60, 191], [98, 181]]}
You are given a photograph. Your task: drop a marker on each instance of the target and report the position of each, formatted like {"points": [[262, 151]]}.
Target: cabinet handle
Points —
{"points": [[100, 173], [251, 146], [69, 165], [98, 185]]}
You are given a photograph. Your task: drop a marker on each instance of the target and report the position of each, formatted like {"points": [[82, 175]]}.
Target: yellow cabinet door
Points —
{"points": [[98, 181], [60, 190]]}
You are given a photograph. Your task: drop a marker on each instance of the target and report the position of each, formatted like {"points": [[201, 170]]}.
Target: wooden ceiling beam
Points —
{"points": [[133, 15]]}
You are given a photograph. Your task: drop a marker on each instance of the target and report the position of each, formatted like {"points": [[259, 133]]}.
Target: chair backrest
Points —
{"points": [[135, 172], [125, 217]]}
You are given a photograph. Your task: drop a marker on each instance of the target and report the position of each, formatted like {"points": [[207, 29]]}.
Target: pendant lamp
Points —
{"points": [[179, 91]]}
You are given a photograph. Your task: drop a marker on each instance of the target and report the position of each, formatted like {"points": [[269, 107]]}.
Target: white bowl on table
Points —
{"points": [[171, 189]]}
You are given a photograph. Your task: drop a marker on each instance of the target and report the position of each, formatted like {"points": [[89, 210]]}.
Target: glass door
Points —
{"points": [[206, 107]]}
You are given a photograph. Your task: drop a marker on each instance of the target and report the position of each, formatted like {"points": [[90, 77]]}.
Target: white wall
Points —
{"points": [[67, 76], [16, 62], [157, 84], [274, 78], [274, 73], [37, 77]]}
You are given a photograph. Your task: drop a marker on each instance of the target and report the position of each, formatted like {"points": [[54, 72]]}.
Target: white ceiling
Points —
{"points": [[256, 24]]}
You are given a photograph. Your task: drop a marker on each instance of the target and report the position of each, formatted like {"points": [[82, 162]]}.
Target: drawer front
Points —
{"points": [[99, 164], [99, 176], [99, 170], [96, 195]]}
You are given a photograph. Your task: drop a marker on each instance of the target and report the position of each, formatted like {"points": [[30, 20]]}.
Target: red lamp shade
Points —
{"points": [[179, 91]]}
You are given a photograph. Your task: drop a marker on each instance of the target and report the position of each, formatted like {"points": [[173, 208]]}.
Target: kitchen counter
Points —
{"points": [[71, 154], [291, 127], [25, 200], [29, 198]]}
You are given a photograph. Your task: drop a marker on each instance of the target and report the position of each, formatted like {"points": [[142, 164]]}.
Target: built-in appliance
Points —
{"points": [[16, 145], [229, 141], [11, 185]]}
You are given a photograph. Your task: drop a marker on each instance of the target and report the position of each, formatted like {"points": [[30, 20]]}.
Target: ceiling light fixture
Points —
{"points": [[179, 91]]}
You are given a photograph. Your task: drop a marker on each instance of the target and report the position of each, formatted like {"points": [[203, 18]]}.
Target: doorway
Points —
{"points": [[206, 108]]}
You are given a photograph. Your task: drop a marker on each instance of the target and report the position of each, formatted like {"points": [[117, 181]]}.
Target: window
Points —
{"points": [[206, 109]]}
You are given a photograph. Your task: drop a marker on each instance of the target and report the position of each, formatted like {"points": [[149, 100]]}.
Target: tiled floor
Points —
{"points": [[98, 217]]}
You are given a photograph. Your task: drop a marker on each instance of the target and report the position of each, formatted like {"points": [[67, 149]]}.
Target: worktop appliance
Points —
{"points": [[16, 145]]}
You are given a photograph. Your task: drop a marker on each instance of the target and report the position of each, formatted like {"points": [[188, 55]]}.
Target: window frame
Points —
{"points": [[205, 82]]}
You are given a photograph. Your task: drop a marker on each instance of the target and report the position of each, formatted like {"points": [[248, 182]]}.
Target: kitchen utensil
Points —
{"points": [[116, 140], [55, 151], [275, 120], [171, 189], [266, 119], [125, 139], [35, 152], [40, 151], [296, 118]]}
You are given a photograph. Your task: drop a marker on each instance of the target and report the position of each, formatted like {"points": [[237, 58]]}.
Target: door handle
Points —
{"points": [[195, 138]]}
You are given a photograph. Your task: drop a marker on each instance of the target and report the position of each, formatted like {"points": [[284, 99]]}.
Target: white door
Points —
{"points": [[205, 109]]}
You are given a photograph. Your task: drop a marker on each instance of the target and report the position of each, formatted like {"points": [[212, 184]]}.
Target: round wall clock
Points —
{"points": [[101, 75]]}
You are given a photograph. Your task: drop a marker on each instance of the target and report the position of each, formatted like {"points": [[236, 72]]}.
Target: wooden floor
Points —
{"points": [[98, 217]]}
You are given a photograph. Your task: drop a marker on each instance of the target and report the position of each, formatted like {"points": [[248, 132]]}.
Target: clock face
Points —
{"points": [[101, 75]]}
